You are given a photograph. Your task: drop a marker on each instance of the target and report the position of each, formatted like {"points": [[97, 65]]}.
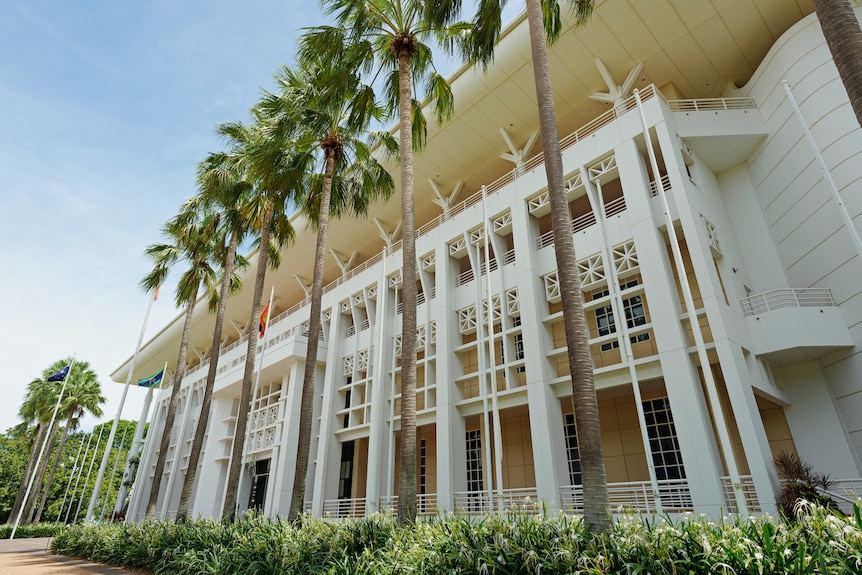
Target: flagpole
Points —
{"points": [[71, 478], [104, 509], [135, 450], [42, 450], [89, 473], [253, 393], [78, 479], [113, 433]]}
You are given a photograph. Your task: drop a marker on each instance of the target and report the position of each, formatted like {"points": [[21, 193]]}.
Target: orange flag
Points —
{"points": [[262, 325]]}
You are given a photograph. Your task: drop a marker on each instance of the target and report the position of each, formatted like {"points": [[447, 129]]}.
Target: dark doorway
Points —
{"points": [[257, 496]]}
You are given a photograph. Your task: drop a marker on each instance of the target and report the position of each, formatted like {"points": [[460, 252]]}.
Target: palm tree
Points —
{"points": [[83, 394], [543, 18], [38, 407], [191, 239], [844, 38], [266, 152], [333, 110], [391, 35], [222, 187], [35, 410]]}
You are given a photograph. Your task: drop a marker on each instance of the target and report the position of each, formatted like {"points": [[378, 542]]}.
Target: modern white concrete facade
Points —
{"points": [[773, 274]]}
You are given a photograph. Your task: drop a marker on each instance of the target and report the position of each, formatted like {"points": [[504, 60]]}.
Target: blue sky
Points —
{"points": [[106, 106]]}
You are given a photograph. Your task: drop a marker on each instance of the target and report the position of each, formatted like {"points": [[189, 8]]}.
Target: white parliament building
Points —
{"points": [[714, 174]]}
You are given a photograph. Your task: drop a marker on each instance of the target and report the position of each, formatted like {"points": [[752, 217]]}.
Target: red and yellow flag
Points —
{"points": [[262, 325]]}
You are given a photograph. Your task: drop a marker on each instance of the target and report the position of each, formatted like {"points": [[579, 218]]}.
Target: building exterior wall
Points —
{"points": [[746, 227]]}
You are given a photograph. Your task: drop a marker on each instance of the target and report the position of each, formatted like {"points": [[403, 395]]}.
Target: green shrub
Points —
{"points": [[32, 530], [514, 544]]}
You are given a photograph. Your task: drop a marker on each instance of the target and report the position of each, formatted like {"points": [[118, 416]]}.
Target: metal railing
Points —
{"points": [[846, 493], [338, 508], [614, 207], [665, 185], [783, 298], [673, 494], [426, 503], [712, 104], [746, 483]]}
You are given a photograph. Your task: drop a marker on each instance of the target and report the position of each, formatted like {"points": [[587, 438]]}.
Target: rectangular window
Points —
{"points": [[474, 461], [573, 454], [633, 308], [666, 455], [519, 346]]}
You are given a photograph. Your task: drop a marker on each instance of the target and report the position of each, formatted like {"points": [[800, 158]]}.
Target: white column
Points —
{"points": [[682, 382], [451, 458], [546, 417], [328, 448]]}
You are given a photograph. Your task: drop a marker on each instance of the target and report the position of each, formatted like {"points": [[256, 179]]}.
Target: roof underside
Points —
{"points": [[697, 48]]}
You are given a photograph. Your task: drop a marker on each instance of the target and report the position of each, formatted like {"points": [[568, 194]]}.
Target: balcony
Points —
{"points": [[792, 325]]}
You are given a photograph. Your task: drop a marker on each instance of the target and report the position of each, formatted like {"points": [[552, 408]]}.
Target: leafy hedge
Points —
{"points": [[818, 542], [32, 530]]}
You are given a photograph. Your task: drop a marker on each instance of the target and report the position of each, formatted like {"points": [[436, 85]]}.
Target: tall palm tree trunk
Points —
{"points": [[844, 38], [30, 506], [407, 471], [206, 401], [230, 497], [31, 463], [596, 511], [306, 410], [54, 465], [172, 410]]}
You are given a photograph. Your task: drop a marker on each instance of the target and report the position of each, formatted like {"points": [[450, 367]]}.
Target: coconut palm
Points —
{"points": [[266, 152], [844, 38], [333, 110], [222, 187], [391, 36], [190, 236], [543, 18], [83, 394]]}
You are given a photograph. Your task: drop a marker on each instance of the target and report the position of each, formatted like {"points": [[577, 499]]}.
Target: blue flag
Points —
{"points": [[60, 375], [153, 380]]}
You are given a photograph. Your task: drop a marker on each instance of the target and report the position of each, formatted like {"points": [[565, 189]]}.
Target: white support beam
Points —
{"points": [[343, 263], [616, 93], [443, 200], [239, 327], [385, 235], [303, 283], [517, 155]]}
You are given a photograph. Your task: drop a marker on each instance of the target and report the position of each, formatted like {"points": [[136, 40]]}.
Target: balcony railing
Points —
{"points": [[665, 185], [712, 104], [846, 492], [783, 298], [674, 496], [746, 483], [338, 508], [426, 503]]}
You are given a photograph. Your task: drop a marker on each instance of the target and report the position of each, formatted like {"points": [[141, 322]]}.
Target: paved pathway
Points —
{"points": [[32, 557]]}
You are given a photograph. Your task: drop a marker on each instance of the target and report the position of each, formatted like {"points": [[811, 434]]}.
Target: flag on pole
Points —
{"points": [[263, 317], [60, 375], [153, 380]]}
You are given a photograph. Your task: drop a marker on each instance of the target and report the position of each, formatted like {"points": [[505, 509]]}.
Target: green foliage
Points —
{"points": [[819, 542], [800, 481], [32, 530]]}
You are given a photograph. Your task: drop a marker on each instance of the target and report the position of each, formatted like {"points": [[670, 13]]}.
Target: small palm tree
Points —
{"points": [[190, 236], [83, 394], [333, 110], [265, 151], [37, 409], [222, 187], [390, 36], [543, 17]]}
